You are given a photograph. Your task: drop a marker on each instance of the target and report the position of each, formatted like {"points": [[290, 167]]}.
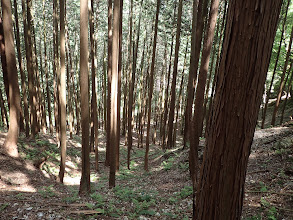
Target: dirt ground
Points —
{"points": [[29, 190]]}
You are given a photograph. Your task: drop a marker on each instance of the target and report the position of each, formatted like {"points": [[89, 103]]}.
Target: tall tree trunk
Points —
{"points": [[146, 159], [114, 93], [130, 91], [196, 39], [197, 119], [84, 88], [268, 95], [119, 86], [22, 75], [166, 107], [282, 84], [110, 11], [235, 109], [287, 92], [46, 72], [3, 111], [94, 131], [10, 145], [62, 92], [175, 69]]}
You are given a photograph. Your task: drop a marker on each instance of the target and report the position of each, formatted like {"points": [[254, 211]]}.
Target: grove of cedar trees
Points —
{"points": [[157, 72]]}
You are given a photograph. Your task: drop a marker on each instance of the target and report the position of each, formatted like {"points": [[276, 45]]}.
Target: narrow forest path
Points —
{"points": [[164, 192]]}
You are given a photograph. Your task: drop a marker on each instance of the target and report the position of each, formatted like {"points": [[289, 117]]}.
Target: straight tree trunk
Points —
{"points": [[287, 92], [62, 92], [268, 95], [110, 11], [94, 116], [10, 145], [175, 69], [196, 39], [84, 88], [249, 37], [119, 86], [3, 111], [114, 93], [166, 106], [22, 75], [197, 119], [282, 84], [146, 159], [130, 90]]}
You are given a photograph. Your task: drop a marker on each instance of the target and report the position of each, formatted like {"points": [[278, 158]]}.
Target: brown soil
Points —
{"points": [[27, 192]]}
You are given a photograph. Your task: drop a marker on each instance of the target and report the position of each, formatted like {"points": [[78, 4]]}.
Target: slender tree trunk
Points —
{"points": [[3, 111], [10, 145], [94, 116], [287, 92], [197, 119], [130, 91], [146, 159], [22, 75], [107, 161], [84, 88], [268, 95], [196, 39], [282, 84], [166, 106], [114, 93], [119, 86], [175, 69], [180, 96], [220, 191], [62, 92]]}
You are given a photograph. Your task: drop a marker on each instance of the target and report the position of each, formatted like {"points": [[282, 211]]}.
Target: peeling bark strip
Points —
{"points": [[250, 31]]}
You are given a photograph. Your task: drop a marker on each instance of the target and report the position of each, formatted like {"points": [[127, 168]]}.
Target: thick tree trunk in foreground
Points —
{"points": [[10, 145], [250, 32], [84, 85]]}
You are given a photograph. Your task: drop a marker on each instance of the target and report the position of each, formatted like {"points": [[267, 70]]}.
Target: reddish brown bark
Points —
{"points": [[246, 53]]}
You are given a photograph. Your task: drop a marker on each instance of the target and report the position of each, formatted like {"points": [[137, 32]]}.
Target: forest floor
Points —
{"points": [[28, 192]]}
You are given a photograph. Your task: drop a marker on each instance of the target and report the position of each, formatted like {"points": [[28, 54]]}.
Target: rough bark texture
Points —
{"points": [[250, 32], [84, 85], [10, 145], [197, 119]]}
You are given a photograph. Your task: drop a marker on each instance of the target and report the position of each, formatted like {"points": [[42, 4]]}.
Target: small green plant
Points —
{"points": [[3, 206], [185, 192], [184, 166], [99, 200], [167, 165], [71, 199], [47, 191], [263, 187], [258, 217]]}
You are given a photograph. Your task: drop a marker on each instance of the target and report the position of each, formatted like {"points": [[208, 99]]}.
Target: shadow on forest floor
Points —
{"points": [[164, 192]]}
